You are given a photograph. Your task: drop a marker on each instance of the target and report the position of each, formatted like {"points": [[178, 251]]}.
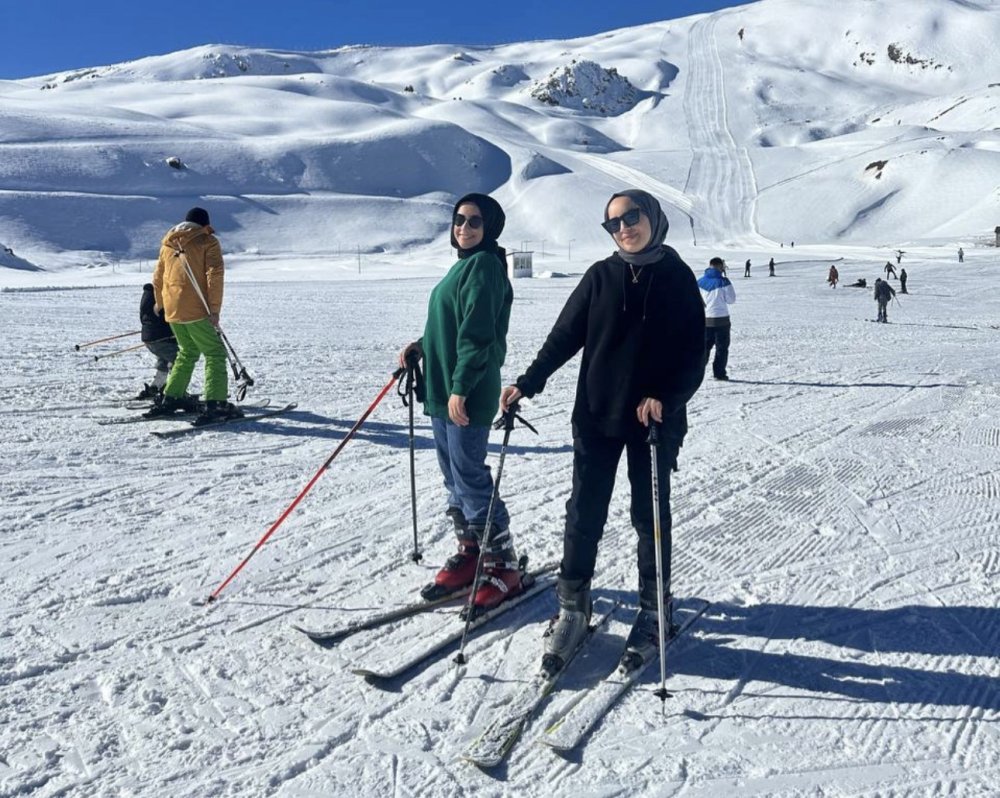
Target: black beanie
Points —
{"points": [[198, 216]]}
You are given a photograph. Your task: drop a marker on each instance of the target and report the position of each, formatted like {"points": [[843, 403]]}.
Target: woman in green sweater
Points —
{"points": [[463, 347]]}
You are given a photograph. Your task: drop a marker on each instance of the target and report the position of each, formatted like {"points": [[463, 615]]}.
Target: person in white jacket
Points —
{"points": [[718, 294]]}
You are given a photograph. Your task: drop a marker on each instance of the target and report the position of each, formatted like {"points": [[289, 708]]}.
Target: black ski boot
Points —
{"points": [[148, 392], [165, 406], [217, 410], [643, 641]]}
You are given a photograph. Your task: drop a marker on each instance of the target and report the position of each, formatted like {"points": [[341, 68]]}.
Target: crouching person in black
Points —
{"points": [[159, 340]]}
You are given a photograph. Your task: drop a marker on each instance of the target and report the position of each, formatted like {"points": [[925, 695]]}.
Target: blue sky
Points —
{"points": [[55, 35]]}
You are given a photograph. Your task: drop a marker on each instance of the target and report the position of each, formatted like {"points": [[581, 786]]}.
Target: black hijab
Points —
{"points": [[658, 223], [493, 222]]}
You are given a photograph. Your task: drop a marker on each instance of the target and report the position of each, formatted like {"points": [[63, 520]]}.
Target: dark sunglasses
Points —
{"points": [[475, 222], [629, 219]]}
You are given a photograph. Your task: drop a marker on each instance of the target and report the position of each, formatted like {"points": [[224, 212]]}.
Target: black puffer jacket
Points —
{"points": [[154, 328], [639, 339]]}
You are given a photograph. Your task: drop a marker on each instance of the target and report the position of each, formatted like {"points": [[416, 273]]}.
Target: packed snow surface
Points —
{"points": [[837, 502]]}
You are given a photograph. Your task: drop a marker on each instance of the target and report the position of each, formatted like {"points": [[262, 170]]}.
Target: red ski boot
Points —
{"points": [[502, 576], [457, 573]]}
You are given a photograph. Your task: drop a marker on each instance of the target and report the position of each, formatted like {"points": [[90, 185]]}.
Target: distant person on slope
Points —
{"points": [[463, 347], [961, 255], [770, 268], [833, 276], [883, 294], [718, 294], [159, 340], [746, 268], [902, 281], [188, 285], [889, 270], [640, 322]]}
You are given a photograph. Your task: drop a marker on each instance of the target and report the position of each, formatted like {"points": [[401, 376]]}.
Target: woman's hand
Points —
{"points": [[411, 347], [649, 409], [456, 410], [508, 396]]}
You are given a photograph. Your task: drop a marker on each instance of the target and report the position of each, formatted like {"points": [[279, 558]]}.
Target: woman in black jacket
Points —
{"points": [[639, 318]]}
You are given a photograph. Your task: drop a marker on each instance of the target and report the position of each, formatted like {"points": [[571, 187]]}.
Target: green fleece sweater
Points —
{"points": [[465, 337]]}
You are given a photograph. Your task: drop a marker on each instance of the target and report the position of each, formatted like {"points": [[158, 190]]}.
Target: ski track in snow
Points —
{"points": [[837, 502]]}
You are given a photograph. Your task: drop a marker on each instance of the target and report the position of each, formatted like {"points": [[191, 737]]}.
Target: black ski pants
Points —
{"points": [[595, 464], [719, 338]]}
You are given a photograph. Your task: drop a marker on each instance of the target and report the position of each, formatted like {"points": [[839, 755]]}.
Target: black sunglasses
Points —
{"points": [[629, 219], [475, 222]]}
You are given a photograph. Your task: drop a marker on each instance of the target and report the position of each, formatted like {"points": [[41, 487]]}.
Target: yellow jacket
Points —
{"points": [[172, 287]]}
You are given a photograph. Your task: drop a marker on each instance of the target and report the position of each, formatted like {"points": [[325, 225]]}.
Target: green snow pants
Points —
{"points": [[194, 339]]}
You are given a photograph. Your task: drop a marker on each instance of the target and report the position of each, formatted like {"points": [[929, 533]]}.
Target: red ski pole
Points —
{"points": [[395, 376]]}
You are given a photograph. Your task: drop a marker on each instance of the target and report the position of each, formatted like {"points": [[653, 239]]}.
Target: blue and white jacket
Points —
{"points": [[718, 294]]}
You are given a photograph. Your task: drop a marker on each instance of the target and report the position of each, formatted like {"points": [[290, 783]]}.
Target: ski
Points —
{"points": [[330, 636], [184, 416], [493, 745], [431, 646], [173, 433], [581, 715]]}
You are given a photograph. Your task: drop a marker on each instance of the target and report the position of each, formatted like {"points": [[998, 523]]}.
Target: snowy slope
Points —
{"points": [[837, 502], [749, 141]]}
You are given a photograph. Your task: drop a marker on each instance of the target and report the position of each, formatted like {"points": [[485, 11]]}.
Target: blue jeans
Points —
{"points": [[461, 453]]}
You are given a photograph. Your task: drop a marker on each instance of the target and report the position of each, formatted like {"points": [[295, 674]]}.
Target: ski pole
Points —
{"points": [[395, 376], [239, 373], [506, 423], [654, 446], [413, 377], [131, 348], [78, 347]]}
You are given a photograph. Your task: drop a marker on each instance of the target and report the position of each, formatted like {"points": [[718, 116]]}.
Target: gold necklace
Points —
{"points": [[635, 274]]}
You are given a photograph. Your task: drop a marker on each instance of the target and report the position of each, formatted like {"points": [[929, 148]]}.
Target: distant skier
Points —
{"points": [[740, 33], [889, 269], [902, 281], [899, 256], [861, 282], [746, 268], [961, 255], [770, 268], [159, 340], [833, 276], [718, 294], [883, 295]]}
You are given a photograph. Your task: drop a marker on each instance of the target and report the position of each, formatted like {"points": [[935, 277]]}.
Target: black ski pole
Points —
{"points": [[506, 423], [654, 446], [412, 389]]}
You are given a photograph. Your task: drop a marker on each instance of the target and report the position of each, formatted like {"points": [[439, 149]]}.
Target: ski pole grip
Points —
{"points": [[654, 433]]}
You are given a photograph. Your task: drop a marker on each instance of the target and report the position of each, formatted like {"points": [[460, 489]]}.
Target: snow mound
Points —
{"points": [[8, 260], [587, 86], [540, 166]]}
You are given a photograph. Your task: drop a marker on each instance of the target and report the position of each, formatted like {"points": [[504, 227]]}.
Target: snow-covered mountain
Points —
{"points": [[866, 122]]}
